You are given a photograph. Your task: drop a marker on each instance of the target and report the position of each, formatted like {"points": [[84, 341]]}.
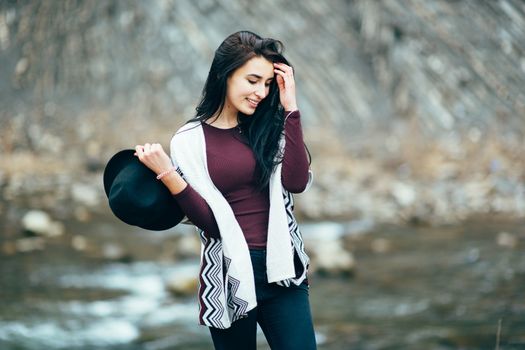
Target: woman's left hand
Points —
{"points": [[286, 84]]}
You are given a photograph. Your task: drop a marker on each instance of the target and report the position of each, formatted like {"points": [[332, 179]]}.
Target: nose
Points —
{"points": [[260, 91]]}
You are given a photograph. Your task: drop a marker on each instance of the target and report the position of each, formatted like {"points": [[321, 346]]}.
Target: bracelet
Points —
{"points": [[164, 173]]}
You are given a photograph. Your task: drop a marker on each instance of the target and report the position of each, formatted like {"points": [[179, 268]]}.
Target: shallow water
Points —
{"points": [[434, 288]]}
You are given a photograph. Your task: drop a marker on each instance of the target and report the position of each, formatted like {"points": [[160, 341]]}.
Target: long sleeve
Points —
{"points": [[295, 160], [198, 211]]}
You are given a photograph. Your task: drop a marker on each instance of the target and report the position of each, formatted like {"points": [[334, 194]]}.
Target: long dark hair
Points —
{"points": [[264, 128]]}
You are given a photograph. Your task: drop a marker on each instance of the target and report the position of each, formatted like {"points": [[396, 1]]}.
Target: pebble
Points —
{"points": [[82, 214], [324, 243], [36, 221], [472, 255], [25, 245], [85, 194], [39, 222], [380, 245], [184, 280], [330, 258], [113, 251], [506, 239], [79, 242], [404, 194], [188, 246]]}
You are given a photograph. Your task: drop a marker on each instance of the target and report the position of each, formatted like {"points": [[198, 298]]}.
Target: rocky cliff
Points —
{"points": [[413, 109]]}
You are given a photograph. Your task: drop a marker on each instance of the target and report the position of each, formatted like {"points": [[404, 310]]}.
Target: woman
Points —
{"points": [[232, 170]]}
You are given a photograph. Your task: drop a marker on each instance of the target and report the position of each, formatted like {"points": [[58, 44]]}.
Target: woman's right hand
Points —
{"points": [[154, 157]]}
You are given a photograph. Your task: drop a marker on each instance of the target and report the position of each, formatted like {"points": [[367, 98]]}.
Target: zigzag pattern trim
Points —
{"points": [[236, 306], [211, 310], [297, 241]]}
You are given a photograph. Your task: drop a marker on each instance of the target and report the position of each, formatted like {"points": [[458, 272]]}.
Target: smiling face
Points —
{"points": [[248, 85]]}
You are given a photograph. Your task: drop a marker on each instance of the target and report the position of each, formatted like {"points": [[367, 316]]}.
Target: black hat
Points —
{"points": [[136, 196]]}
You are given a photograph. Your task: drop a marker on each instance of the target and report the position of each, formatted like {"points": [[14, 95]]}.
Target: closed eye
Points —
{"points": [[253, 82]]}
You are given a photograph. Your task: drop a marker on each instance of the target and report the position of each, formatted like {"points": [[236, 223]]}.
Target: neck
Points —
{"points": [[227, 118]]}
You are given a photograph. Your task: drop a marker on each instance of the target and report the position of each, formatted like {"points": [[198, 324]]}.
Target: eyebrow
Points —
{"points": [[258, 76]]}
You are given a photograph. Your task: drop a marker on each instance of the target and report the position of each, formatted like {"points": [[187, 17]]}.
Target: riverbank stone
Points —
{"points": [[507, 240], [324, 243], [38, 222], [184, 280]]}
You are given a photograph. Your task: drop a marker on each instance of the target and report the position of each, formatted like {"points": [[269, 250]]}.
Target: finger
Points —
{"points": [[280, 73], [139, 150], [279, 69], [147, 148], [155, 148], [286, 80], [284, 67], [288, 71], [280, 82]]}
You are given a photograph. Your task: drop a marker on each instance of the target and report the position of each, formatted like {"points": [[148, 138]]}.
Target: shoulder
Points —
{"points": [[186, 131], [188, 127]]}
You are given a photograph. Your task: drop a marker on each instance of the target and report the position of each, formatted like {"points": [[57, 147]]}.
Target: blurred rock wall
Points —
{"points": [[413, 109]]}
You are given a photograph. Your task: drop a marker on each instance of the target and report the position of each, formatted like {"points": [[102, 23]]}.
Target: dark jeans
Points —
{"points": [[283, 314]]}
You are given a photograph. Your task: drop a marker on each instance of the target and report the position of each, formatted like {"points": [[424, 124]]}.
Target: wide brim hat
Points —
{"points": [[136, 196]]}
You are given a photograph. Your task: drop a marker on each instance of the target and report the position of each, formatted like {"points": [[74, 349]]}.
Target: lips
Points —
{"points": [[253, 103]]}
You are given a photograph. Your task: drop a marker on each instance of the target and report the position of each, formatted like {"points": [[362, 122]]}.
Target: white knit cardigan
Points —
{"points": [[226, 282]]}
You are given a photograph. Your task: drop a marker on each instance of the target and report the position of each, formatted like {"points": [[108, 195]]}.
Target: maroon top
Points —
{"points": [[232, 168]]}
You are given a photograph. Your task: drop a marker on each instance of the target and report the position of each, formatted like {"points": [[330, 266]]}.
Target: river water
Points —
{"points": [[423, 288]]}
